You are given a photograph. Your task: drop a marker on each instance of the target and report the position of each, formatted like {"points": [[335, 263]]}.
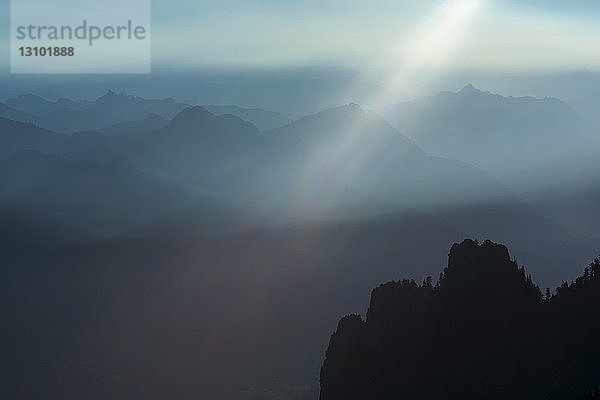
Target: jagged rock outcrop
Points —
{"points": [[484, 330]]}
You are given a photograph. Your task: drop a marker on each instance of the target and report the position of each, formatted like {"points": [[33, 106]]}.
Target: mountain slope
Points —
{"points": [[262, 119], [152, 122], [329, 160], [506, 136], [340, 164], [73, 116], [90, 146], [83, 194], [109, 109], [35, 105], [16, 115], [19, 135], [334, 158], [213, 153]]}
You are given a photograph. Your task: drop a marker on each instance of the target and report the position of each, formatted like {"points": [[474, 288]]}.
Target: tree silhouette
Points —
{"points": [[484, 330]]}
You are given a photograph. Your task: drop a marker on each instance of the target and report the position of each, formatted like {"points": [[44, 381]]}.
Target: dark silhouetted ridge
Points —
{"points": [[483, 330]]}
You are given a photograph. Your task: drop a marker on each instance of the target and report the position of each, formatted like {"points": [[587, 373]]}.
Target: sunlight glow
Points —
{"points": [[428, 47]]}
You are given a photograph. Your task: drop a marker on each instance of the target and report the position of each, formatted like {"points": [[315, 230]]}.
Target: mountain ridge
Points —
{"points": [[484, 321]]}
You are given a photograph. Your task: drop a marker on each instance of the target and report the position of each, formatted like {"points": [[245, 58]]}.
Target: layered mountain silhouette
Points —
{"points": [[484, 330], [119, 113], [15, 115], [213, 153], [69, 116], [507, 136], [354, 153], [89, 146], [340, 164], [36, 105], [83, 194], [540, 147], [262, 119], [200, 248], [574, 207], [150, 123], [16, 136]]}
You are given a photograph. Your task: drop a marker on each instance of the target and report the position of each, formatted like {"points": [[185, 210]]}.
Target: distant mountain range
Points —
{"points": [[178, 230], [117, 113], [510, 137], [262, 119], [484, 330], [340, 164], [36, 105], [72, 116]]}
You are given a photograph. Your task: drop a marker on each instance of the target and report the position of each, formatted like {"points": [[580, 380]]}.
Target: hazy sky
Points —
{"points": [[407, 47], [529, 34], [516, 34]]}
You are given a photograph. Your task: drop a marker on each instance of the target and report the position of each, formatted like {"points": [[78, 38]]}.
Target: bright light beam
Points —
{"points": [[424, 51], [430, 46]]}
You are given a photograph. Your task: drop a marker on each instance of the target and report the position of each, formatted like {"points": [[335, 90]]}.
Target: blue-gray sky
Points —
{"points": [[516, 34], [407, 47], [521, 34]]}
